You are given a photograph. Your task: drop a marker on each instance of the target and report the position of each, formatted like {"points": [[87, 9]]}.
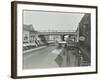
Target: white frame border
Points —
{"points": [[36, 72]]}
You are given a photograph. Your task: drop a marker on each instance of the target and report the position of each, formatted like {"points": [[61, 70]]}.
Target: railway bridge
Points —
{"points": [[56, 34]]}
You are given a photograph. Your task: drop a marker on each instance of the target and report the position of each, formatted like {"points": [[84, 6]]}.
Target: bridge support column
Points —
{"points": [[62, 37]]}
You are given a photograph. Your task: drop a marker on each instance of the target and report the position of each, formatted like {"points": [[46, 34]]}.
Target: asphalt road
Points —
{"points": [[50, 57], [42, 58]]}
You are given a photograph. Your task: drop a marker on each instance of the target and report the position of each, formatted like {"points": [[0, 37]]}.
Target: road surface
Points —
{"points": [[49, 57]]}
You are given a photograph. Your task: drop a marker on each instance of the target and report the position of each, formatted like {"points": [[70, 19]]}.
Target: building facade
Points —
{"points": [[29, 37], [85, 38]]}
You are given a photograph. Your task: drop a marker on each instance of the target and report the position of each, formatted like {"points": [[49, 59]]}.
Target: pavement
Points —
{"points": [[37, 48], [50, 57], [42, 58]]}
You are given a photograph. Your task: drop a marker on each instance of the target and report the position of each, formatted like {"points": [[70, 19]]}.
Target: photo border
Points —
{"points": [[14, 37]]}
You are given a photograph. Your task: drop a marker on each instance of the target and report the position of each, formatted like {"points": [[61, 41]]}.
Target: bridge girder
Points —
{"points": [[57, 33]]}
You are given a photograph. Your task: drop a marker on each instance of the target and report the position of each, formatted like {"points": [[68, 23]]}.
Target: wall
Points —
{"points": [[5, 41], [85, 32]]}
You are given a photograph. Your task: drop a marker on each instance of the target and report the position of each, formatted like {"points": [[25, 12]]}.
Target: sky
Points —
{"points": [[52, 21]]}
